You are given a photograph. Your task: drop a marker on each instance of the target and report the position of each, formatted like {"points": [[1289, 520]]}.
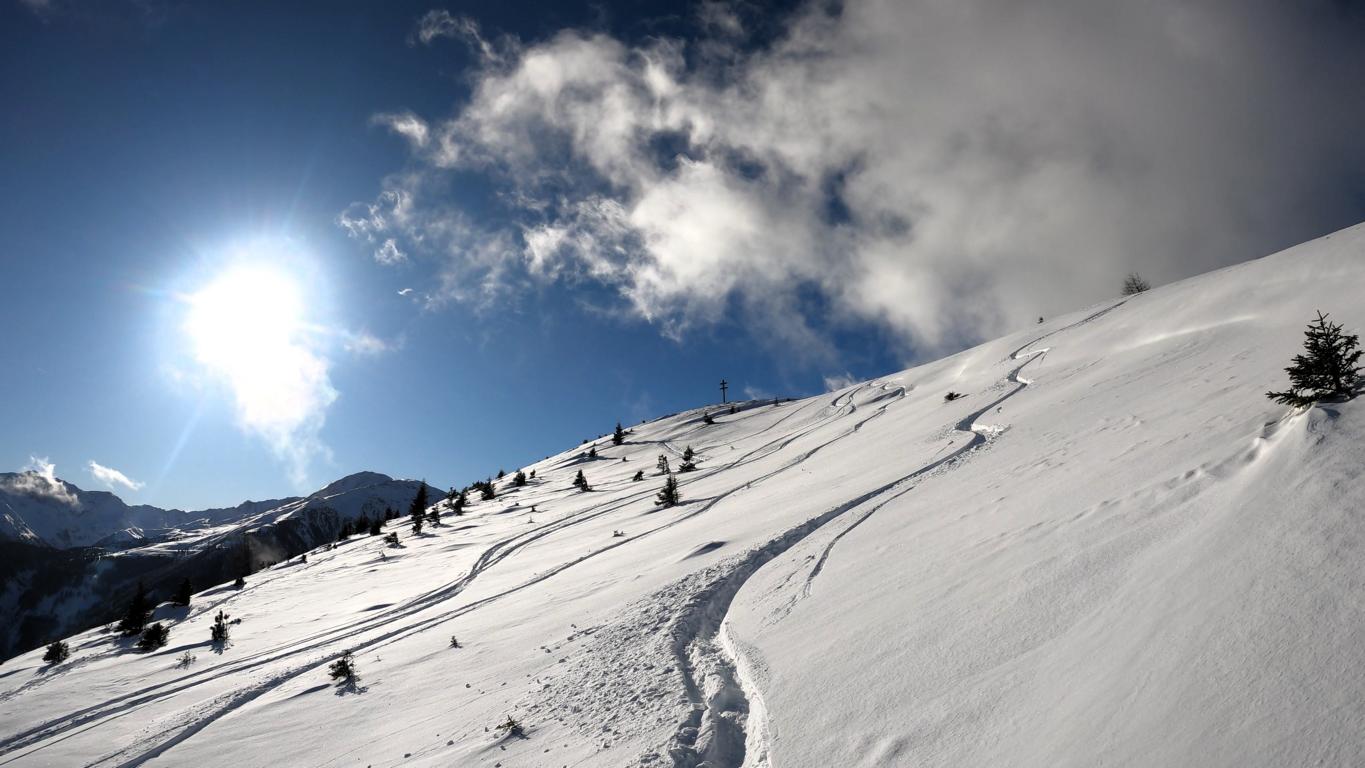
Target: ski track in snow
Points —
{"points": [[342, 636]]}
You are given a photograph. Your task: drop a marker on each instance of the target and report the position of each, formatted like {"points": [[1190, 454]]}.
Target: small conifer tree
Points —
{"points": [[533, 474], [706, 417], [638, 476], [239, 583], [519, 479], [501, 474], [580, 482], [154, 637], [662, 465], [592, 452], [219, 631], [619, 435], [375, 526], [668, 495], [183, 593], [1133, 284], [1327, 368], [418, 508], [57, 652], [391, 538], [486, 492], [733, 409], [138, 611], [343, 668]]}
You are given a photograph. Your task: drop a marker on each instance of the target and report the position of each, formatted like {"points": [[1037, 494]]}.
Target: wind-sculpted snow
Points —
{"points": [[1112, 550]]}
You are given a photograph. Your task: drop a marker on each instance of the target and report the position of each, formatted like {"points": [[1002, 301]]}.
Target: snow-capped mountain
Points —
{"points": [[45, 510], [51, 592], [1113, 549]]}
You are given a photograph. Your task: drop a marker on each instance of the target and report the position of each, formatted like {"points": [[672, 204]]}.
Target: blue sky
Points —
{"points": [[596, 211]]}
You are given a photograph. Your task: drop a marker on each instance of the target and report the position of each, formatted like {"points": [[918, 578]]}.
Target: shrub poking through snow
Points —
{"points": [[1133, 284], [511, 727], [391, 538], [154, 637], [662, 465], [185, 659], [519, 479], [454, 642], [343, 668], [580, 482], [58, 652], [638, 476], [219, 631], [136, 615], [619, 435], [592, 452], [951, 396], [668, 495], [706, 417], [239, 583], [1327, 368]]}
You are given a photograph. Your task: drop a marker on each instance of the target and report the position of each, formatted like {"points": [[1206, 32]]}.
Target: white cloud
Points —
{"points": [[944, 170], [39, 478], [111, 477], [365, 343], [388, 253]]}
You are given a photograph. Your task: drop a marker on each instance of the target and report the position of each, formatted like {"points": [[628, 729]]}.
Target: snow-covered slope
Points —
{"points": [[1113, 551]]}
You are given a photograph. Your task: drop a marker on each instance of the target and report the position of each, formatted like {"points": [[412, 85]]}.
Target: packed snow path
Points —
{"points": [[1113, 550]]}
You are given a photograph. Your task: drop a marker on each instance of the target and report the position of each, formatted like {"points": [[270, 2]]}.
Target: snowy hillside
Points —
{"points": [[1114, 550], [48, 593]]}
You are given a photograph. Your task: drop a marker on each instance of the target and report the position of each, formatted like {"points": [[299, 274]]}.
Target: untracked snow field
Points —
{"points": [[1114, 550]]}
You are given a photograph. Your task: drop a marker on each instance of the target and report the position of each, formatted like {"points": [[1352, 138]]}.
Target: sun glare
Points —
{"points": [[244, 317]]}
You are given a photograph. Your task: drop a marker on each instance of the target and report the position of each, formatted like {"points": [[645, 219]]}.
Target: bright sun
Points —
{"points": [[245, 317]]}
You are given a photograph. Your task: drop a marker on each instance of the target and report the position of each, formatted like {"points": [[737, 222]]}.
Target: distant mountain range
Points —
{"points": [[69, 557]]}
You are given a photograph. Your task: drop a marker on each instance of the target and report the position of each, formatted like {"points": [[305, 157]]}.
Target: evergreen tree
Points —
{"points": [[362, 524], [375, 526], [581, 483], [501, 474], [418, 508], [687, 461], [461, 499], [345, 531], [135, 617], [662, 465], [592, 452], [519, 479], [435, 516], [154, 637], [533, 474], [1133, 284], [668, 496], [706, 417], [688, 454], [619, 436], [391, 538], [239, 583], [733, 409], [638, 476], [57, 653], [486, 492], [219, 631], [343, 668], [1328, 367], [183, 593]]}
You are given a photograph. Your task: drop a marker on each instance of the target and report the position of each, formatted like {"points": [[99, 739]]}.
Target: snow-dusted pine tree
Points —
{"points": [[1327, 368]]}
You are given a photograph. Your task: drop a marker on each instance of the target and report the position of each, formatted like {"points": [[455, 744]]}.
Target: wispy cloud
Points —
{"points": [[942, 170], [39, 478], [839, 381], [365, 343], [111, 477]]}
